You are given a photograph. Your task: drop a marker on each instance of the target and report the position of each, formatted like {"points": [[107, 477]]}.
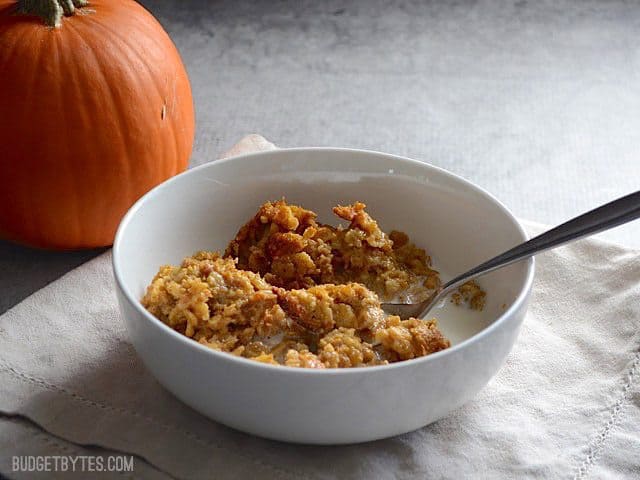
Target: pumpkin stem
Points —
{"points": [[51, 11]]}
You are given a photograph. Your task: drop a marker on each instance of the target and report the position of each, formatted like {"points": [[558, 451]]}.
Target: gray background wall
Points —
{"points": [[536, 101]]}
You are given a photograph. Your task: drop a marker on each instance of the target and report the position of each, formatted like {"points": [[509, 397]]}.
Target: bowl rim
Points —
{"points": [[241, 361]]}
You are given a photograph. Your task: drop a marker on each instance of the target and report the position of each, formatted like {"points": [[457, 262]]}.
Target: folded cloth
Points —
{"points": [[24, 443], [565, 405]]}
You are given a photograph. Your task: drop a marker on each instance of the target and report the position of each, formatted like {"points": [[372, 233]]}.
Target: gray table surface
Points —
{"points": [[536, 101]]}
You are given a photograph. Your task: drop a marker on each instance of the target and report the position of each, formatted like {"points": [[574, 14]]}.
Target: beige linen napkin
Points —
{"points": [[565, 405]]}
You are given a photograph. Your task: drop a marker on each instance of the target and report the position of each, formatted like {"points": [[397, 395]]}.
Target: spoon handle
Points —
{"points": [[610, 215]]}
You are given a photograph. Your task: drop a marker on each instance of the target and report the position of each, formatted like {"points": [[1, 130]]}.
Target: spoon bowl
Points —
{"points": [[610, 215]]}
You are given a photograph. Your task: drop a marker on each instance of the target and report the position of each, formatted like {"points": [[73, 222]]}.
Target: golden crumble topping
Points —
{"points": [[286, 245], [291, 291], [471, 294]]}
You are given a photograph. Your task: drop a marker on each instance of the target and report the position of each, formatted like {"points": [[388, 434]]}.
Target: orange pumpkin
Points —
{"points": [[95, 110]]}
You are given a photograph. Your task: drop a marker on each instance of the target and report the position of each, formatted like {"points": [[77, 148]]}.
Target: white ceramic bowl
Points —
{"points": [[458, 223]]}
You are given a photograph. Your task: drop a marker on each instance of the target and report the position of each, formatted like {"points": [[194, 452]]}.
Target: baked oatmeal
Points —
{"points": [[286, 245], [291, 291], [470, 293]]}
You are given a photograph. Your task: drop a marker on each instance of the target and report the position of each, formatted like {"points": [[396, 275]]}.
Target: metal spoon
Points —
{"points": [[610, 215]]}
